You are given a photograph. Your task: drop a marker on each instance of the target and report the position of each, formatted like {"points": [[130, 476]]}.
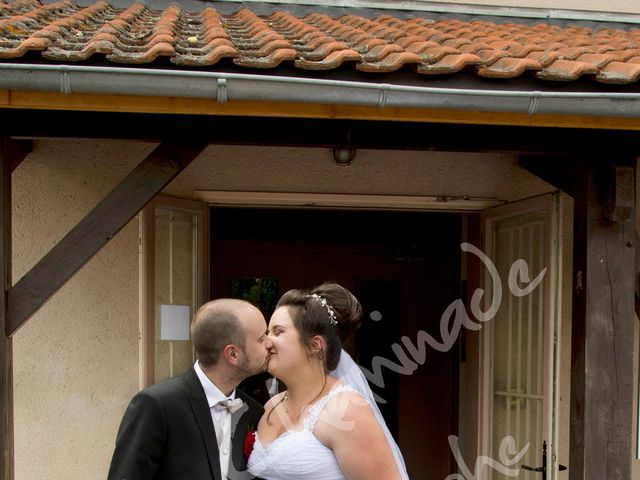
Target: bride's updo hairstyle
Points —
{"points": [[330, 311]]}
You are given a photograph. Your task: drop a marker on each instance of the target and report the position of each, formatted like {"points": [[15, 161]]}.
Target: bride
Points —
{"points": [[326, 425]]}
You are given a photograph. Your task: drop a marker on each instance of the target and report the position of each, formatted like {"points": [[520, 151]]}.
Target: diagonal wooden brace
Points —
{"points": [[97, 228]]}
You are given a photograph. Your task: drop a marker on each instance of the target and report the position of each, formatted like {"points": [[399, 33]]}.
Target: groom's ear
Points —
{"points": [[231, 354]]}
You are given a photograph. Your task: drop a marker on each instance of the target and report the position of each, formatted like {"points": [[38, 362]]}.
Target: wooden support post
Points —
{"points": [[97, 228], [603, 321], [6, 353]]}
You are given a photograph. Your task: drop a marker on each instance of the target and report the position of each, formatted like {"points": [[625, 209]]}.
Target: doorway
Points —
{"points": [[404, 267]]}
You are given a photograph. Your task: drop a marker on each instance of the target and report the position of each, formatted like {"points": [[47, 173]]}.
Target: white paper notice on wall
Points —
{"points": [[174, 322]]}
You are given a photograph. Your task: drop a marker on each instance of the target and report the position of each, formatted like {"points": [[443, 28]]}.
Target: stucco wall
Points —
{"points": [[625, 6], [373, 171], [76, 361]]}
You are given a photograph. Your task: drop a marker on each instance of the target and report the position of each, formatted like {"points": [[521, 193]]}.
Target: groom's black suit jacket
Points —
{"points": [[167, 433]]}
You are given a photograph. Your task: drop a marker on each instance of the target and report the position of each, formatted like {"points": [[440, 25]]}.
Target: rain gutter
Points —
{"points": [[224, 87]]}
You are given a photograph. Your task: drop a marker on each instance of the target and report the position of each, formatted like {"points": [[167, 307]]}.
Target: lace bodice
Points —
{"points": [[298, 454]]}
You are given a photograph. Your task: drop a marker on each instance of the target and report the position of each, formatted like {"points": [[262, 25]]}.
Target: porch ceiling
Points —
{"points": [[425, 44]]}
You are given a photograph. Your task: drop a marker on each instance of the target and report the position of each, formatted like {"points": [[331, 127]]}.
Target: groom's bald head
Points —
{"points": [[217, 324]]}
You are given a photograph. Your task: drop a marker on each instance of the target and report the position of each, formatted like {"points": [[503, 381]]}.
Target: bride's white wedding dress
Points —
{"points": [[298, 454]]}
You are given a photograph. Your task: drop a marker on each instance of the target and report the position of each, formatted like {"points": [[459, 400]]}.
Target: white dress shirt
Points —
{"points": [[221, 419]]}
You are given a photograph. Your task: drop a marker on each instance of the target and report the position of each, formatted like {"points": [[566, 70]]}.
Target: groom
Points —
{"points": [[194, 426]]}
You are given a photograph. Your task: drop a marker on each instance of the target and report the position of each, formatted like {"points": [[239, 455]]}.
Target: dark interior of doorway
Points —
{"points": [[403, 266]]}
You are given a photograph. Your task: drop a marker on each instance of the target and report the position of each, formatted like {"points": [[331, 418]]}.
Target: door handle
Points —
{"points": [[534, 469], [543, 468]]}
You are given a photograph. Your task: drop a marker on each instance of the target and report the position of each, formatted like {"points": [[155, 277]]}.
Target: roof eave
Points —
{"points": [[222, 87]]}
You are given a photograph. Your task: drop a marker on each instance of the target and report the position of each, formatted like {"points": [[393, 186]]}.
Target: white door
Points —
{"points": [[174, 283], [519, 356]]}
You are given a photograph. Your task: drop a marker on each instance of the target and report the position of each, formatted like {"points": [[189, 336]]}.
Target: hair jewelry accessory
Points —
{"points": [[325, 304]]}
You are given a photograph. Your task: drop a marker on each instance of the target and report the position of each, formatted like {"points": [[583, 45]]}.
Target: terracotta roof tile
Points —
{"points": [[391, 62], [597, 59], [508, 67], [330, 62], [566, 70], [450, 64], [64, 31], [619, 72]]}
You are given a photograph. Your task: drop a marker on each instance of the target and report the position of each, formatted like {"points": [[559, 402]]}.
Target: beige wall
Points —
{"points": [[624, 6], [76, 361], [373, 171]]}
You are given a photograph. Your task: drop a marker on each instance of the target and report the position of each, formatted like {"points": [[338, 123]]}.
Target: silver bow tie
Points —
{"points": [[231, 405]]}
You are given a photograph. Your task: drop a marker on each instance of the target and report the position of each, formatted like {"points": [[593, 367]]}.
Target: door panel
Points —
{"points": [[519, 342], [174, 257]]}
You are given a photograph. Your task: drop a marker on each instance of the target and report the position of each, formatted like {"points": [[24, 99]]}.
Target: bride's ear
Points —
{"points": [[317, 344]]}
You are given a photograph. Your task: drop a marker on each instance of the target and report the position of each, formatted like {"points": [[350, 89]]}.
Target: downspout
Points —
{"points": [[222, 87]]}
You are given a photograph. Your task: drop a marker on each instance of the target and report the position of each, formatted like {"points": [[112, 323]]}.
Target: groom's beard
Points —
{"points": [[248, 369]]}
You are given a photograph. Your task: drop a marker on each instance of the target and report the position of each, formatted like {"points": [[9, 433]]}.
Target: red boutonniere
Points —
{"points": [[249, 441]]}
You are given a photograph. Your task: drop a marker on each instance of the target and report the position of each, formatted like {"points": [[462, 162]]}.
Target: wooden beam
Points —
{"points": [[17, 100], [556, 170], [17, 151], [636, 242], [6, 350], [323, 133], [97, 228], [603, 322]]}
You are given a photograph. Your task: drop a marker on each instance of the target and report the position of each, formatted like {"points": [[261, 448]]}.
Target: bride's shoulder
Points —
{"points": [[345, 399], [346, 413], [273, 401]]}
